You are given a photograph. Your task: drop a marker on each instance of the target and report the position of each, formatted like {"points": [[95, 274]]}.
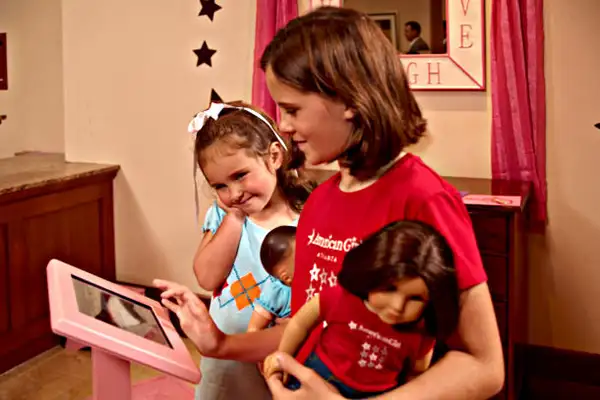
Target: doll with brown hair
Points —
{"points": [[277, 256], [397, 294]]}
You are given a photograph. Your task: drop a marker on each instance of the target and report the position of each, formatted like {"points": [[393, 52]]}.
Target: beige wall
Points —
{"points": [[565, 272], [131, 87], [34, 102]]}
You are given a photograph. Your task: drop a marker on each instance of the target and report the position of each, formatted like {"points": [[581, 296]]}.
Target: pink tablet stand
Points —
{"points": [[113, 348]]}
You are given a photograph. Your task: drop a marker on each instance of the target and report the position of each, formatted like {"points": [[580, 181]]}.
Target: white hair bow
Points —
{"points": [[213, 112], [200, 119]]}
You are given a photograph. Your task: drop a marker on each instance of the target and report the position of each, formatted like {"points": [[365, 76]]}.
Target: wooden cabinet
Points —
{"points": [[501, 238], [48, 209]]}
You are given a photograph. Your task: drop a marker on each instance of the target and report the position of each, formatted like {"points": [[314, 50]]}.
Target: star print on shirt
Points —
{"points": [[332, 280], [209, 8], [366, 346], [323, 276], [310, 292], [204, 55], [314, 273], [352, 325]]}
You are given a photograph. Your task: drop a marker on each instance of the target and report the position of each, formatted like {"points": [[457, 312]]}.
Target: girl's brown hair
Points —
{"points": [[407, 249], [243, 130], [342, 54]]}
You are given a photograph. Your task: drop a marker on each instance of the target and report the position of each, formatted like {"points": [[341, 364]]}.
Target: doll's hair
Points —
{"points": [[243, 130], [407, 249], [342, 54], [277, 245]]}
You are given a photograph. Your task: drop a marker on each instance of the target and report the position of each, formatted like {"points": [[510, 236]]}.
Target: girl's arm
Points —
{"points": [[204, 333], [215, 254], [420, 366], [260, 319]]}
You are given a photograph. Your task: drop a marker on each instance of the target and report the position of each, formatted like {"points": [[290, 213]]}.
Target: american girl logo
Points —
{"points": [[376, 335], [346, 245]]}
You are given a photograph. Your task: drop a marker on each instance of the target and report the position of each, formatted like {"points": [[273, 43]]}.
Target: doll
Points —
{"points": [[397, 294], [277, 257]]}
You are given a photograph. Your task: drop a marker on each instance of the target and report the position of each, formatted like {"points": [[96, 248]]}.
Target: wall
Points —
{"points": [[565, 268], [33, 101], [131, 86]]}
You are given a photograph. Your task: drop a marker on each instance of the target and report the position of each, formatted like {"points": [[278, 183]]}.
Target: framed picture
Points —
{"points": [[387, 23]]}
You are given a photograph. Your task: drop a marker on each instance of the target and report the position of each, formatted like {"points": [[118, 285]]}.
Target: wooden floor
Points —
{"points": [[59, 374]]}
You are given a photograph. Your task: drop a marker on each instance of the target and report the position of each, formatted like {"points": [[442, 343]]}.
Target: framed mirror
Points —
{"points": [[441, 42]]}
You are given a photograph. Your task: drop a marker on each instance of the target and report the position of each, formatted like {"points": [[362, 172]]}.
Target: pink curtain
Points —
{"points": [[271, 15], [519, 99]]}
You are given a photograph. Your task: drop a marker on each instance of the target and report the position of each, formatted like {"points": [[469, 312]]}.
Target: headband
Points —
{"points": [[215, 109]]}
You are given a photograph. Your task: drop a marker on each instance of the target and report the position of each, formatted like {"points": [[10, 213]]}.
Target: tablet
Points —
{"points": [[126, 324]]}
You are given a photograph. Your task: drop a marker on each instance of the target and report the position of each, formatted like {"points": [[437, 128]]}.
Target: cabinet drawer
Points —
{"points": [[496, 268], [491, 231], [501, 315]]}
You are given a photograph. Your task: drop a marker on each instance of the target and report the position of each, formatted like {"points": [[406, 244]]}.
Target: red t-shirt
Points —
{"points": [[332, 222], [359, 348]]}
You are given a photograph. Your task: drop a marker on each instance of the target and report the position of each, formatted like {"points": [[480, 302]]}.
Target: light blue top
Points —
{"points": [[276, 299], [232, 305]]}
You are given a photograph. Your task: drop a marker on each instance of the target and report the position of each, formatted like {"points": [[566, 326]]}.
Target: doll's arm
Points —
{"points": [[300, 326], [295, 334], [260, 319]]}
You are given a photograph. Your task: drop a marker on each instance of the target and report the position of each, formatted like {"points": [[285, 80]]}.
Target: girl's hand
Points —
{"points": [[312, 385], [233, 211], [193, 316]]}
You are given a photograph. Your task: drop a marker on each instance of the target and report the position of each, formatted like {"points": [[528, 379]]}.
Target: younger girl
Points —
{"points": [[243, 159], [277, 256], [397, 292]]}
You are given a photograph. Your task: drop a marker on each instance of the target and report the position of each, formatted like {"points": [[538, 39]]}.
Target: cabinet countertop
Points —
{"points": [[33, 170]]}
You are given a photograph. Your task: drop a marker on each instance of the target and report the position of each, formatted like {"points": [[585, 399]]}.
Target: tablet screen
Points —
{"points": [[119, 311]]}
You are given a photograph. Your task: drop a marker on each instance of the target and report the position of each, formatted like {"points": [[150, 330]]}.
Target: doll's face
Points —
{"points": [[401, 303], [284, 270]]}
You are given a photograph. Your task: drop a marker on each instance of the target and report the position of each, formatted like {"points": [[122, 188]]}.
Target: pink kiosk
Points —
{"points": [[120, 326]]}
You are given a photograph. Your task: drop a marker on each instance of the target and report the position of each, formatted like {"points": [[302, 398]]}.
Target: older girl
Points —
{"points": [[344, 97]]}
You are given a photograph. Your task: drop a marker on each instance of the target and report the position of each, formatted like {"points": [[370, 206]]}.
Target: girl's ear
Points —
{"points": [[275, 155], [349, 113]]}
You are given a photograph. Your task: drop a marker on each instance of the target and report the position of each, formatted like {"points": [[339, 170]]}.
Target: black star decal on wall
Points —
{"points": [[209, 8], [204, 55], [214, 97], [597, 125]]}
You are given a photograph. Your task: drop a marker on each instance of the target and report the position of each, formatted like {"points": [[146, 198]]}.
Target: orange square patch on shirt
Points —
{"points": [[245, 291]]}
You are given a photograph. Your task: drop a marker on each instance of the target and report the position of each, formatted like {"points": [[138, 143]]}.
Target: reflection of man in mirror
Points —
{"points": [[444, 42], [412, 32]]}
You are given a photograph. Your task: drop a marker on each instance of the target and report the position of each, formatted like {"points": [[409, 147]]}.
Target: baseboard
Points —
{"points": [[552, 373]]}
